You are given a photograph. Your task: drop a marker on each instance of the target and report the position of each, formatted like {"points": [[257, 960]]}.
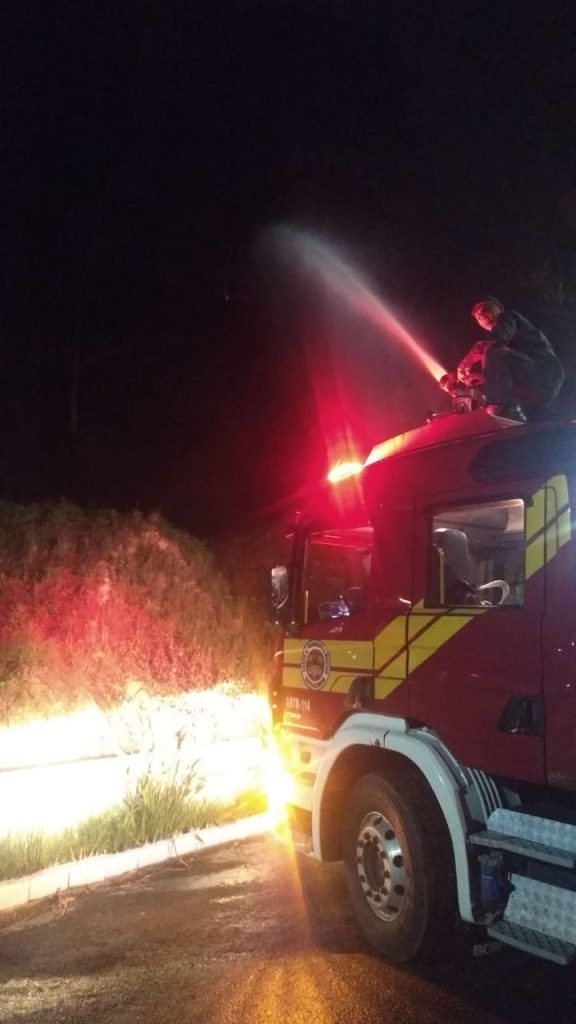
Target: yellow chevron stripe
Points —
{"points": [[437, 634], [559, 485], [558, 526], [535, 513], [534, 558], [548, 523], [339, 683], [535, 519], [389, 643], [384, 685]]}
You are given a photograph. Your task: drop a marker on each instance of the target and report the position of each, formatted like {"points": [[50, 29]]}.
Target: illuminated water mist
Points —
{"points": [[342, 280]]}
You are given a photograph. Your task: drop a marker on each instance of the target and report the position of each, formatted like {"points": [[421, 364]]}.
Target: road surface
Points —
{"points": [[245, 934]]}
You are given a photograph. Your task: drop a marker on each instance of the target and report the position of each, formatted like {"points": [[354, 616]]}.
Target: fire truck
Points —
{"points": [[424, 685]]}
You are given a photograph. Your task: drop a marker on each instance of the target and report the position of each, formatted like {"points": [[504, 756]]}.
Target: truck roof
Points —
{"points": [[492, 448], [443, 429], [476, 447]]}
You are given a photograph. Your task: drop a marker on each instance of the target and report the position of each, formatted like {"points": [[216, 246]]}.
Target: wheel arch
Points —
{"points": [[351, 763], [391, 751]]}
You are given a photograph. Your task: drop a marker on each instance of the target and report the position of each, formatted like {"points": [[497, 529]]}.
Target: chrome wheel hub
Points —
{"points": [[380, 864]]}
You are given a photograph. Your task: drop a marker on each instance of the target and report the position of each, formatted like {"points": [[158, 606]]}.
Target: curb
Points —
{"points": [[19, 891]]}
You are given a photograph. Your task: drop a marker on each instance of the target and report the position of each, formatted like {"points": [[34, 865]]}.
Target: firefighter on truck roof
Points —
{"points": [[516, 366], [521, 373]]}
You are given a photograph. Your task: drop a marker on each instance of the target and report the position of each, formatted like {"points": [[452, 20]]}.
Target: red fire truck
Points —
{"points": [[424, 691]]}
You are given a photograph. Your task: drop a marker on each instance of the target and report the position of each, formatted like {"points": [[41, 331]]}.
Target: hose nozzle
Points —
{"points": [[464, 398]]}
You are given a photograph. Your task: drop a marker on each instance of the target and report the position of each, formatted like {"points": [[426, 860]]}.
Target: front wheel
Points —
{"points": [[398, 863]]}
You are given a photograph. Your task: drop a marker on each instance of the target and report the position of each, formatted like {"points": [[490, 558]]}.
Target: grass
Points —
{"points": [[155, 809]]}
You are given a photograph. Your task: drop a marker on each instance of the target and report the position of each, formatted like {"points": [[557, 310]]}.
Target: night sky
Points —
{"points": [[163, 348]]}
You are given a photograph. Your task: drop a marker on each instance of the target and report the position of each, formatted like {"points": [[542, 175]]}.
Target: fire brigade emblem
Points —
{"points": [[315, 664]]}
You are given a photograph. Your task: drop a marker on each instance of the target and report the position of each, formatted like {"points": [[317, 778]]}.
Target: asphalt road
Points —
{"points": [[246, 934]]}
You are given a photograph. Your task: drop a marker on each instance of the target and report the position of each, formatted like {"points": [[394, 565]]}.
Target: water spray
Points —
{"points": [[340, 278]]}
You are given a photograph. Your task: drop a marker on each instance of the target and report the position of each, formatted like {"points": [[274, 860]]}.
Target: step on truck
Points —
{"points": [[424, 685]]}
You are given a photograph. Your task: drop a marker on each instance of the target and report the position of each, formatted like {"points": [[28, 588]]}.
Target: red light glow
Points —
{"points": [[343, 470]]}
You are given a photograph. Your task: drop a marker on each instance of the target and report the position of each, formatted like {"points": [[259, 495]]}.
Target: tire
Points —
{"points": [[399, 864]]}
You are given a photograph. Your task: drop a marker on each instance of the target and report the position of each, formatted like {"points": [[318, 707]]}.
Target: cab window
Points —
{"points": [[336, 573], [477, 555]]}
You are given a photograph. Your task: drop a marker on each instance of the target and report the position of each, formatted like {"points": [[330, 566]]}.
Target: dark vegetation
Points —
{"points": [[93, 602]]}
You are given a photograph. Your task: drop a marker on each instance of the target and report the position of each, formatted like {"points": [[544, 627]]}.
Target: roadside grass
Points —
{"points": [[155, 809]]}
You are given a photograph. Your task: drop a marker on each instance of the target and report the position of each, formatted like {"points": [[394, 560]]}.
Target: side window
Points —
{"points": [[336, 573], [477, 555]]}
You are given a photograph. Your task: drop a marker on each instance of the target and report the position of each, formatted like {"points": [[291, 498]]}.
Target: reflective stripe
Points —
{"points": [[548, 525], [535, 522], [388, 645], [558, 527], [384, 685], [437, 634]]}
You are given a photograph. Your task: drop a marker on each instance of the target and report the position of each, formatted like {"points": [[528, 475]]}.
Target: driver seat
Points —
{"points": [[459, 573]]}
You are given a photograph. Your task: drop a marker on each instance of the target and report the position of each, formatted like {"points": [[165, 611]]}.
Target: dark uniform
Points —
{"points": [[518, 366]]}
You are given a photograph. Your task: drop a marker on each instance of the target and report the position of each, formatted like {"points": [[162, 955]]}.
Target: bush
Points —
{"points": [[92, 601]]}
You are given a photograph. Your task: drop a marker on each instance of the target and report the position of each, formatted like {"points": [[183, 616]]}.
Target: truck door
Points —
{"points": [[475, 643]]}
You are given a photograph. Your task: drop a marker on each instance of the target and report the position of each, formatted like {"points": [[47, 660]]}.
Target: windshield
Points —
{"points": [[336, 573]]}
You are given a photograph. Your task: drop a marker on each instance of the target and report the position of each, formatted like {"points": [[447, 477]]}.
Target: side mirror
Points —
{"points": [[278, 593]]}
